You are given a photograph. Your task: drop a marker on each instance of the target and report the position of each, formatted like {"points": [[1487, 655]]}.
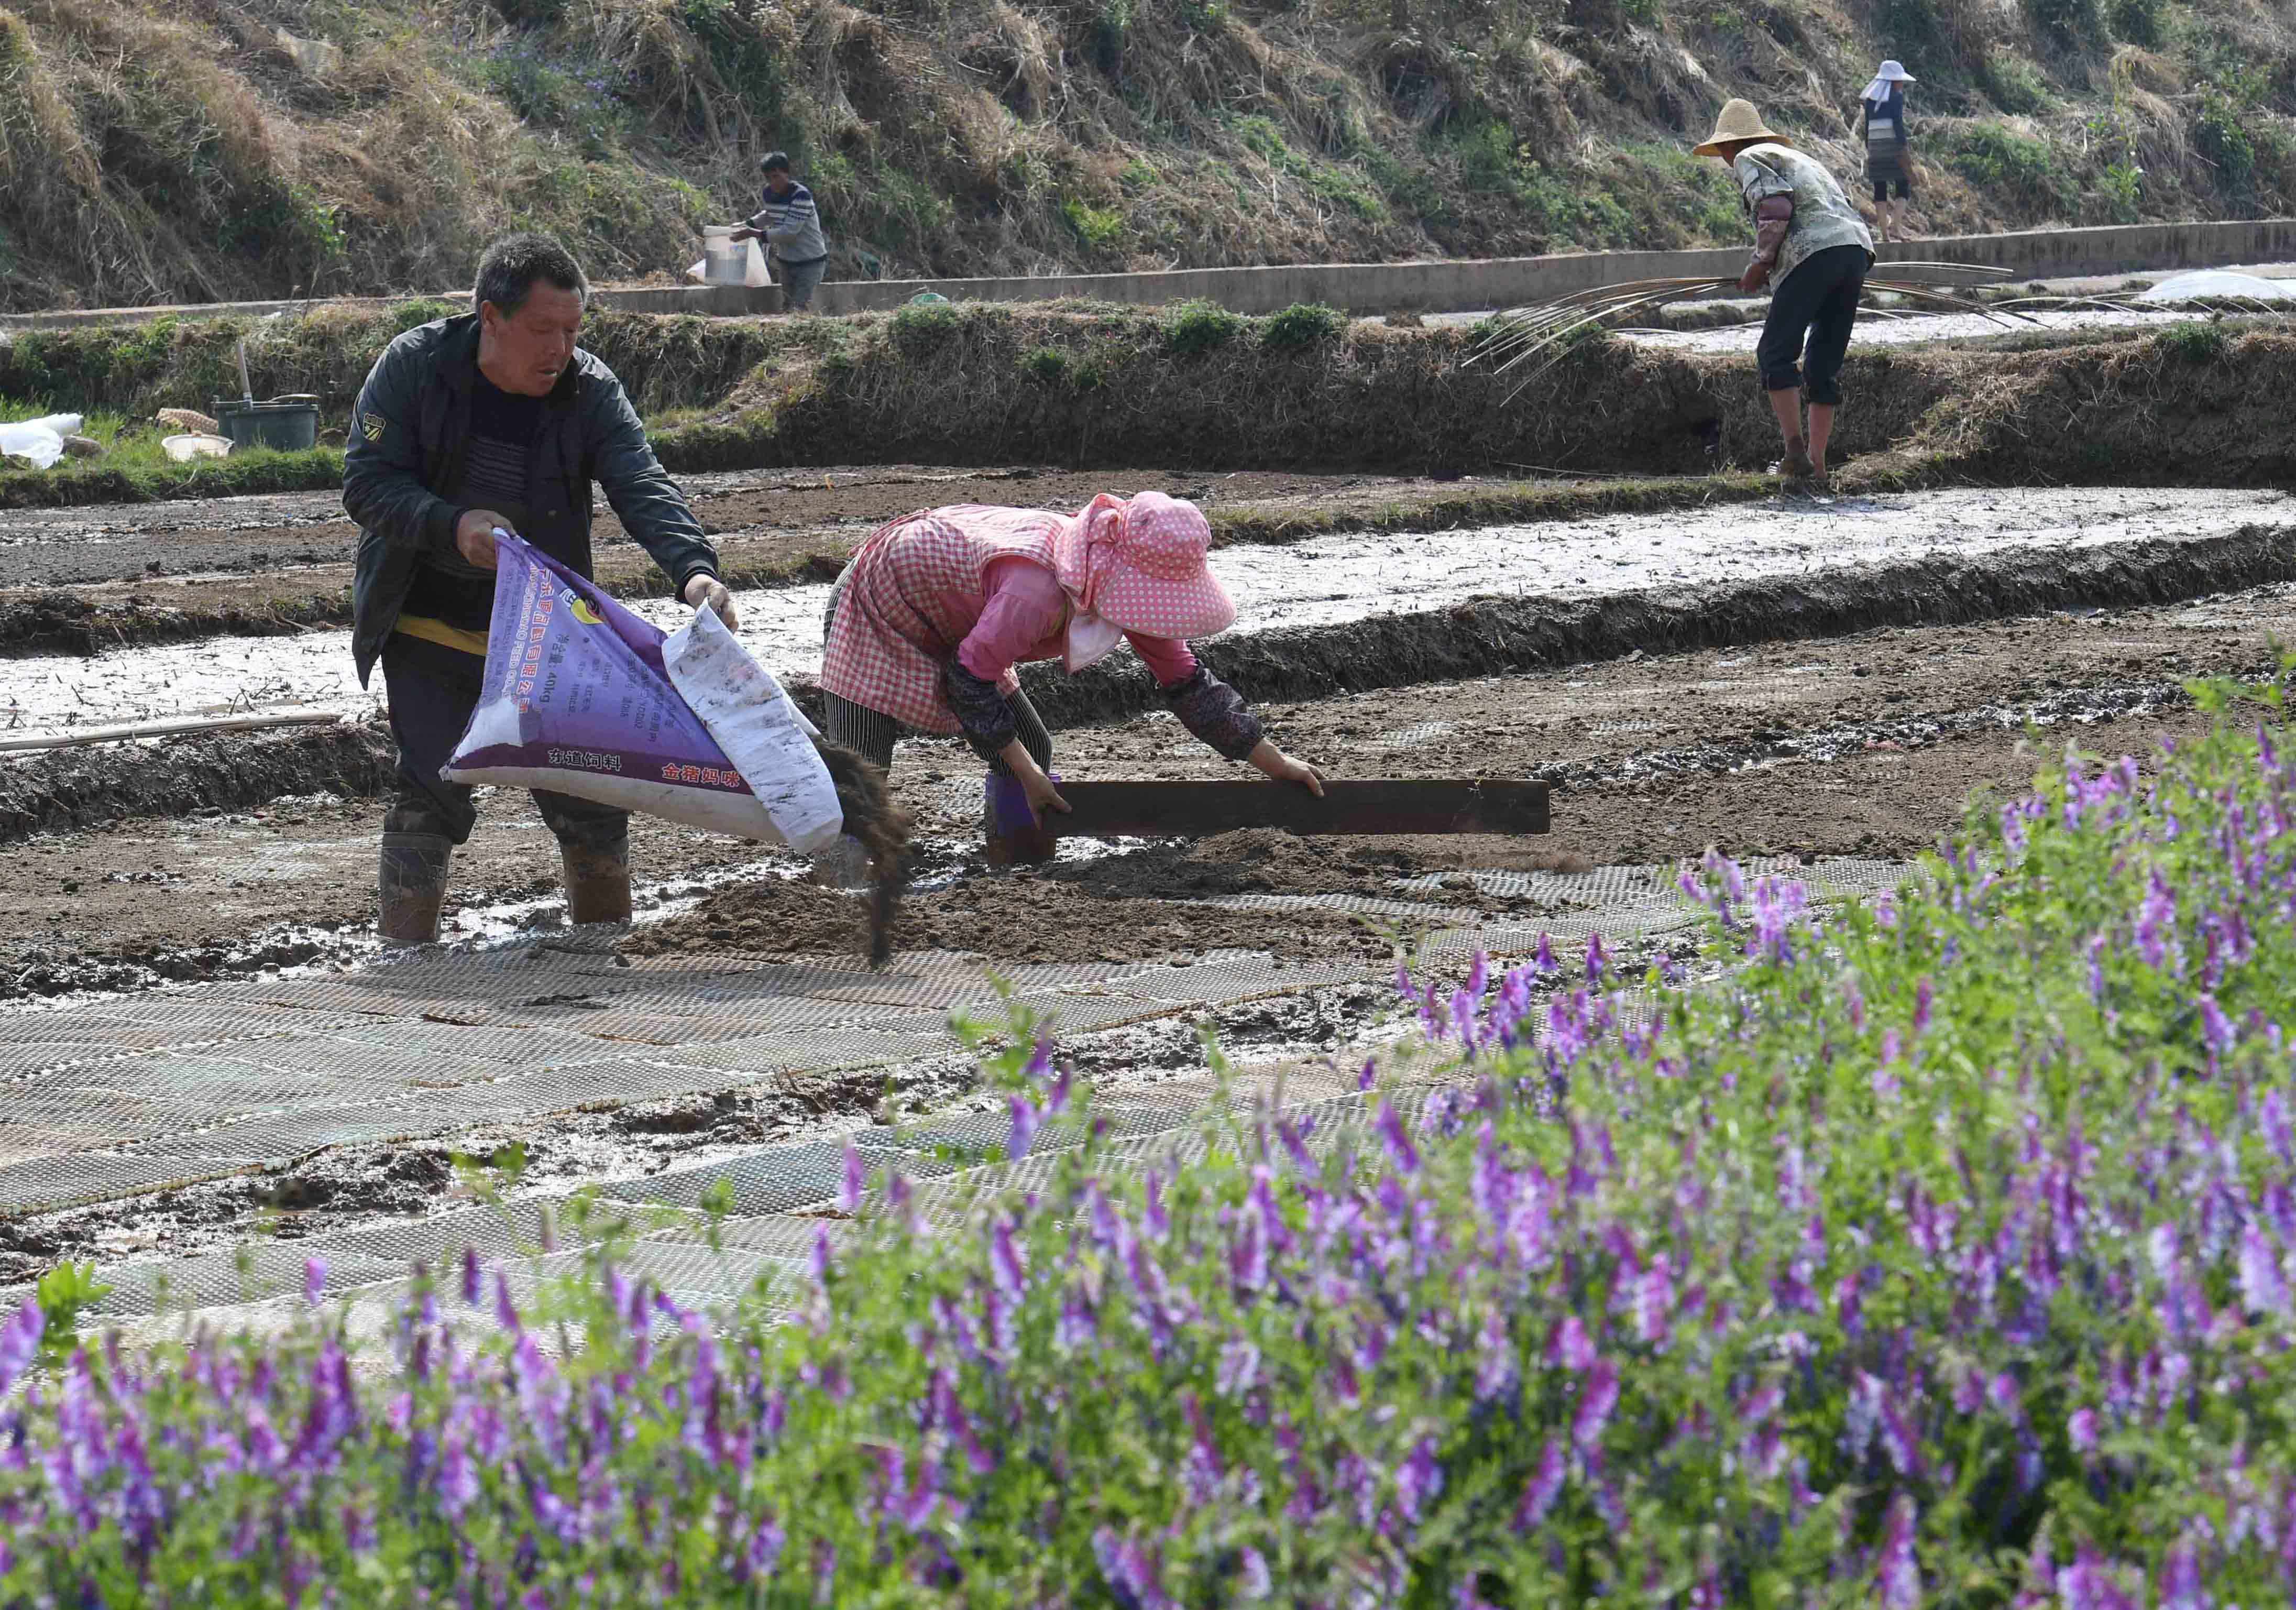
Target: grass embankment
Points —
{"points": [[157, 153], [1195, 385], [1941, 1255]]}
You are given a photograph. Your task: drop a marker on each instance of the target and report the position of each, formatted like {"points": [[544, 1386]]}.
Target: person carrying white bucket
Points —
{"points": [[1809, 239]]}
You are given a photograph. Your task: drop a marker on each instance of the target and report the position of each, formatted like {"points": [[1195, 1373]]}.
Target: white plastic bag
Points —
{"points": [[41, 440]]}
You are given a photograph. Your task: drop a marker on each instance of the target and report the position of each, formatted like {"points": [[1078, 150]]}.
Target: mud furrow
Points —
{"points": [[1480, 637], [1488, 636]]}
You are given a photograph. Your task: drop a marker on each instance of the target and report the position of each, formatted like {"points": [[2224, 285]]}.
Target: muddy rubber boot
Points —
{"points": [[1010, 833], [411, 886], [597, 881]]}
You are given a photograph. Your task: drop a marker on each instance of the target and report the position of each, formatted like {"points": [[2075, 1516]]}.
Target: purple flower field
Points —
{"points": [[1940, 1253]]}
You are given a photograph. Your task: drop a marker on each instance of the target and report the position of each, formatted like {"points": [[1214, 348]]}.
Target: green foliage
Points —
{"points": [[2014, 84], [2221, 136], [2014, 168], [2197, 342], [922, 327], [1938, 1247], [1302, 324], [1047, 365], [1567, 209], [1198, 327], [415, 314], [1098, 227], [2121, 184], [2068, 22], [1107, 34], [2143, 22], [64, 1294], [745, 61]]}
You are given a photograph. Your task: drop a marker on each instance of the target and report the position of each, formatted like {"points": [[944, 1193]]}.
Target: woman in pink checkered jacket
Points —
{"points": [[934, 611]]}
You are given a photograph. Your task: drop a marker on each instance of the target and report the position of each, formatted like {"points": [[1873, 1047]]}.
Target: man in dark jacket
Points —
{"points": [[492, 420]]}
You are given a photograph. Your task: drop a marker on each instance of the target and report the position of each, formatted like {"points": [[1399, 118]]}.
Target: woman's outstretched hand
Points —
{"points": [[1283, 768]]}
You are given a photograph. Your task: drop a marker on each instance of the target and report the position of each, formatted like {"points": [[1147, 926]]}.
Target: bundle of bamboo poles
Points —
{"points": [[1523, 335]]}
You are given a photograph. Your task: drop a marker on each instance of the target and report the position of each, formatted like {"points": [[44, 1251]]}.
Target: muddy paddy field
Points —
{"points": [[202, 1050]]}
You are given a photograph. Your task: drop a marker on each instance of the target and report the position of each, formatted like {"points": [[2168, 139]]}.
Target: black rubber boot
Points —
{"points": [[411, 886], [597, 880]]}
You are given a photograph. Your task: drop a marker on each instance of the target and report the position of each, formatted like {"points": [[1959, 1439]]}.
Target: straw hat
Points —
{"points": [[1738, 122], [1138, 566]]}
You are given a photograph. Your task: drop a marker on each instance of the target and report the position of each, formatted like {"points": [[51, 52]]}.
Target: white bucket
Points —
{"points": [[725, 260]]}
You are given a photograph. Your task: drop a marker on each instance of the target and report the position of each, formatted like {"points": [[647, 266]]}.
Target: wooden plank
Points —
{"points": [[1200, 810], [175, 726]]}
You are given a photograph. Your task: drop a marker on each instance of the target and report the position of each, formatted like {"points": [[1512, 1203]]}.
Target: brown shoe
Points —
{"points": [[1796, 465]]}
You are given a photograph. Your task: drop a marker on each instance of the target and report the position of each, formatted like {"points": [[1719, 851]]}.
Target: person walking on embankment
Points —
{"points": [[935, 610], [1889, 166], [1810, 241], [492, 419], [790, 223]]}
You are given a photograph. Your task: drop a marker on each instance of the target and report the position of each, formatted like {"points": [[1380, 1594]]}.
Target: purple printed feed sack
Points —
{"points": [[583, 697]]}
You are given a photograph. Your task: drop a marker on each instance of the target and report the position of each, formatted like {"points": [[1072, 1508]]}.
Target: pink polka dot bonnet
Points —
{"points": [[1139, 566]]}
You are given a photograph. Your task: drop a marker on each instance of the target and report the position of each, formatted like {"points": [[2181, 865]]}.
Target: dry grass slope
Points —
{"points": [[167, 150]]}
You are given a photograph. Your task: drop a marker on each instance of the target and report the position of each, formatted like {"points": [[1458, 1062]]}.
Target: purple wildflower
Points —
{"points": [[472, 1286], [1598, 960], [19, 1342], [1571, 1348], [1400, 1149], [1899, 1578], [1256, 1583], [315, 1280], [1025, 1119], [2215, 1028], [2080, 1430], [1539, 1495], [2263, 1289], [1596, 1399], [1420, 1479], [855, 1180]]}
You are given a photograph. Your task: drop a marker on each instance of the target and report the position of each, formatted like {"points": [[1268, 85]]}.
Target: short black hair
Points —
{"points": [[511, 265], [773, 162]]}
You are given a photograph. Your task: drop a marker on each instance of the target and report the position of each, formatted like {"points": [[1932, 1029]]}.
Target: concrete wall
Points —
{"points": [[1456, 287], [1427, 287]]}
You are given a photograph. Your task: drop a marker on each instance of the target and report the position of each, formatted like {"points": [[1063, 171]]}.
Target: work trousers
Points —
{"points": [[432, 690], [1817, 302], [872, 734]]}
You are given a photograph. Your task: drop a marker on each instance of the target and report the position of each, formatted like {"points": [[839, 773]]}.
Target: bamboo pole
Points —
{"points": [[173, 726]]}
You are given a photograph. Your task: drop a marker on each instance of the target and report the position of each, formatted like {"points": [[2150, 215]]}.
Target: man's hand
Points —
{"points": [[708, 589], [474, 535], [1283, 768], [744, 233], [1756, 275]]}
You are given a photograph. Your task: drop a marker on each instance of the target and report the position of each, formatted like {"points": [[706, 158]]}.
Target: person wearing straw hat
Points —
{"points": [[1814, 248], [935, 610], [1882, 114]]}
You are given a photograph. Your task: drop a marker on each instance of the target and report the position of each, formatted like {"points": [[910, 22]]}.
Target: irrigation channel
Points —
{"points": [[1321, 582], [211, 1074]]}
